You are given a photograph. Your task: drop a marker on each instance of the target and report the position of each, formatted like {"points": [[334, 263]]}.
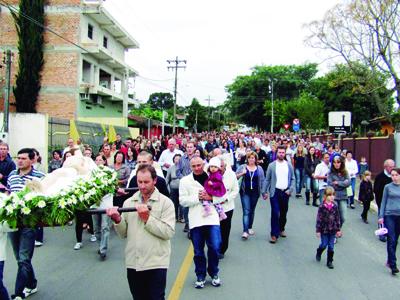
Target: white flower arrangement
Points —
{"points": [[28, 209]]}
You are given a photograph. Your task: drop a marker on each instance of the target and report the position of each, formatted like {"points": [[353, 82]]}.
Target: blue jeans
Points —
{"points": [[39, 234], [327, 240], [342, 206], [392, 223], [23, 244], [101, 228], [210, 235], [311, 184], [321, 196], [299, 173], [3, 290], [279, 209], [353, 187], [249, 203]]}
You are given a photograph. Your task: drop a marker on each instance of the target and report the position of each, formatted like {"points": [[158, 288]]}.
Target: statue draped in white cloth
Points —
{"points": [[74, 167]]}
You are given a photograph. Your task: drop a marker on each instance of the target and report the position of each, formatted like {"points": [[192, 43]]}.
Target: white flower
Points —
{"points": [[41, 204], [30, 196], [62, 203], [14, 198], [26, 210], [21, 203], [73, 200], [9, 209]]}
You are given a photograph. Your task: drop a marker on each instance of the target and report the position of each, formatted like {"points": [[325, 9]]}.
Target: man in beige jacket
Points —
{"points": [[148, 233]]}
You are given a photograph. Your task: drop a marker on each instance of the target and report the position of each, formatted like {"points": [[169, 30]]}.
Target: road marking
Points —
{"points": [[176, 289]]}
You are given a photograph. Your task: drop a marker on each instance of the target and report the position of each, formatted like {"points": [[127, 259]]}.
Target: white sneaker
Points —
{"points": [[27, 292], [78, 246], [216, 281], [38, 244], [251, 232], [93, 238], [199, 284], [245, 236]]}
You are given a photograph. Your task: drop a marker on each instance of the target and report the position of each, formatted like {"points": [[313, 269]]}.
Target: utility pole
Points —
{"points": [[209, 112], [175, 67], [196, 123], [272, 104], [7, 89]]}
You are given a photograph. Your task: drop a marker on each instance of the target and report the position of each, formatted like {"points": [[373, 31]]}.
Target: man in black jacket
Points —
{"points": [[381, 180], [6, 165], [144, 157]]}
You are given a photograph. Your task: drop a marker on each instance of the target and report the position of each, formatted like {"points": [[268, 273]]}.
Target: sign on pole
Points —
{"points": [[339, 121]]}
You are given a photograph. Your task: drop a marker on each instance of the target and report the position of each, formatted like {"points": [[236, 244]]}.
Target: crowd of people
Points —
{"points": [[195, 179]]}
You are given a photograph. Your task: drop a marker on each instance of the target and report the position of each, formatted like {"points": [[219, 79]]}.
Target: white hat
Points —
{"points": [[215, 161]]}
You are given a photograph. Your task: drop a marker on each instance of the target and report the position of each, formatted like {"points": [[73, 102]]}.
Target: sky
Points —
{"points": [[219, 39]]}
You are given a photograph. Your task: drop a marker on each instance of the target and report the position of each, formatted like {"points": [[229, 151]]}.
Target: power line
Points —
{"points": [[149, 79]]}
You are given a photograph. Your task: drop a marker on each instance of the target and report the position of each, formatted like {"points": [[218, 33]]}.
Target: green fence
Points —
{"points": [[91, 134]]}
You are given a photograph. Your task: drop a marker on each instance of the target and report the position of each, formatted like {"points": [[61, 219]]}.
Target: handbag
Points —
{"points": [[349, 191]]}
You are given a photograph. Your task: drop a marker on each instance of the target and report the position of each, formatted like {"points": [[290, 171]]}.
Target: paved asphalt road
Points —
{"points": [[252, 269]]}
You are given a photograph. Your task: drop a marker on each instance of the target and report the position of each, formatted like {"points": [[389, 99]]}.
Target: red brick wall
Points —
{"points": [[51, 2], [57, 105], [60, 69], [67, 25]]}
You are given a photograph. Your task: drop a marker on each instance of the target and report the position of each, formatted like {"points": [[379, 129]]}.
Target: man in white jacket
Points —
{"points": [[204, 228]]}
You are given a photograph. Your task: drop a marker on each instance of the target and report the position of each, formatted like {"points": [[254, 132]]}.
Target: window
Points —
{"points": [[105, 42], [90, 31]]}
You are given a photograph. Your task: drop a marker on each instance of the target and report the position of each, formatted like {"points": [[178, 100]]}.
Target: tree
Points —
{"points": [[307, 108], [196, 109], [30, 48], [356, 89], [146, 111], [247, 94], [161, 101], [362, 30]]}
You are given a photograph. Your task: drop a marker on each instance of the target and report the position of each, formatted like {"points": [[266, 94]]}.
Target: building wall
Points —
{"points": [[106, 109], [114, 48], [106, 121], [32, 132]]}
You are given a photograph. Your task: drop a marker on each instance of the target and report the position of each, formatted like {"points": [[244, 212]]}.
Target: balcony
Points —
{"points": [[95, 9], [102, 90], [105, 57]]}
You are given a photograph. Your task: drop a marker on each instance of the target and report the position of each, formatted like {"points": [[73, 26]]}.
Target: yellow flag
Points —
{"points": [[73, 131], [112, 135]]}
